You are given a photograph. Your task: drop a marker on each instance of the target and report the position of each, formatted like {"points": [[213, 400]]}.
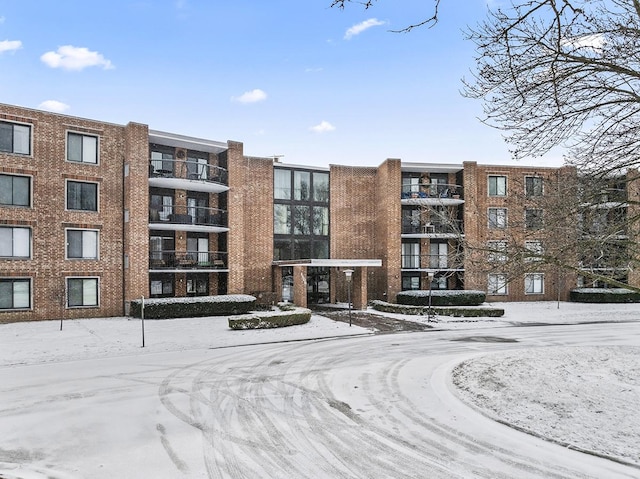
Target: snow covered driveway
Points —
{"points": [[364, 407]]}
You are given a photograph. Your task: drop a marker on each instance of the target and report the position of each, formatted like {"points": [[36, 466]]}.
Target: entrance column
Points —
{"points": [[277, 282], [300, 286], [359, 291]]}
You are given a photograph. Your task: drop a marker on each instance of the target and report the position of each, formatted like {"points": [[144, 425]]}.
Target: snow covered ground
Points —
{"points": [[583, 397]]}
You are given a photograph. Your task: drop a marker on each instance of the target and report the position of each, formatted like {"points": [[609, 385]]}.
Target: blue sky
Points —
{"points": [[296, 78]]}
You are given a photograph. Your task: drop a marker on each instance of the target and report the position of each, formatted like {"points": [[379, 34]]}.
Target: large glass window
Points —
{"points": [[320, 220], [321, 187], [82, 292], [534, 283], [497, 217], [410, 282], [161, 161], [497, 185], [301, 185], [15, 293], [411, 255], [533, 186], [15, 242], [82, 148], [282, 219], [302, 220], [15, 190], [15, 138], [161, 285], [281, 184], [197, 284], [82, 196], [161, 207], [82, 244]]}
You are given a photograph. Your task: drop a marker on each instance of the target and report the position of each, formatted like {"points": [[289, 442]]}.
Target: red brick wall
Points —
{"points": [[48, 267]]}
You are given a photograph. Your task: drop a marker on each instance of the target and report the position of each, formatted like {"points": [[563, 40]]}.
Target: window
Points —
{"points": [[533, 218], [161, 161], [15, 190], [301, 185], [320, 220], [533, 186], [410, 282], [411, 255], [197, 284], [302, 220], [82, 244], [15, 293], [281, 184], [534, 283], [497, 217], [497, 185], [534, 250], [161, 207], [161, 285], [281, 219], [15, 242], [82, 292], [82, 196], [497, 284], [82, 148], [497, 251], [321, 187], [15, 138]]}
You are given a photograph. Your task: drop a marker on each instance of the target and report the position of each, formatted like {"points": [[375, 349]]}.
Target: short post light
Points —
{"points": [[348, 273], [430, 315]]}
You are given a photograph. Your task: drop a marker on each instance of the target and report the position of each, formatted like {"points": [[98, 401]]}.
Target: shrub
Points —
{"points": [[466, 312], [193, 307], [274, 319], [604, 295], [448, 297]]}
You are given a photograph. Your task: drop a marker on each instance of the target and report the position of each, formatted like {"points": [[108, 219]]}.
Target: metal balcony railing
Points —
{"points": [[185, 169], [190, 215], [187, 260], [439, 227], [431, 190], [432, 261]]}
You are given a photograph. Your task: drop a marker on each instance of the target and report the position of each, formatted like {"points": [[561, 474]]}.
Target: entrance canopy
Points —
{"points": [[359, 281], [331, 263]]}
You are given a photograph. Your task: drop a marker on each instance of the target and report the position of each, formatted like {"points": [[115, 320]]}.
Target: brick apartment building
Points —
{"points": [[94, 215]]}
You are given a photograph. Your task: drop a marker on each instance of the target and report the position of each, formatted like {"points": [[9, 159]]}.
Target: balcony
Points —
{"points": [[176, 261], [187, 175], [432, 194], [432, 262], [188, 218], [435, 229]]}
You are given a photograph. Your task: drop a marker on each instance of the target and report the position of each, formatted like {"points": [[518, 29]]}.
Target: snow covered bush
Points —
{"points": [[455, 311], [604, 295], [273, 319], [440, 297], [193, 307]]}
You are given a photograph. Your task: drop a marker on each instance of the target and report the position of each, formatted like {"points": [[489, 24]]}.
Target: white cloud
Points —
{"points": [[361, 27], [69, 57], [252, 96], [313, 70], [54, 105], [323, 127], [10, 45]]}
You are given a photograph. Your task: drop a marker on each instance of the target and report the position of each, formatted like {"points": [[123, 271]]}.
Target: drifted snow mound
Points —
{"points": [[581, 397]]}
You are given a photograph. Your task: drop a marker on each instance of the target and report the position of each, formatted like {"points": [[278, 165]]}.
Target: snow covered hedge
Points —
{"points": [[604, 295], [441, 297], [272, 319], [193, 307], [455, 311]]}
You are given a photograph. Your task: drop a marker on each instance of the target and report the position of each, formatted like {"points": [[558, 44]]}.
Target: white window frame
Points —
{"points": [[66, 196], [30, 180], [13, 151], [535, 247], [83, 278], [533, 283], [29, 281], [83, 160], [497, 251], [497, 284], [83, 257], [13, 254], [497, 224], [410, 255], [498, 192], [531, 194]]}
